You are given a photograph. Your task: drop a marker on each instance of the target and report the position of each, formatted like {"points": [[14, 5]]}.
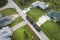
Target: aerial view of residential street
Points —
{"points": [[29, 19]]}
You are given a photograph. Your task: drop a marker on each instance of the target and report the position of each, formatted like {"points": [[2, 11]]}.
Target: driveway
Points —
{"points": [[42, 20], [14, 28], [14, 16], [27, 9]]}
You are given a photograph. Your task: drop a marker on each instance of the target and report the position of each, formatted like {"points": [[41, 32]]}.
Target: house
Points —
{"points": [[5, 33], [54, 15], [40, 5], [5, 21], [1, 16]]}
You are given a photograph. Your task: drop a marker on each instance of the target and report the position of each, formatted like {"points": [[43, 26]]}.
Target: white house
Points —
{"points": [[40, 4], [5, 33]]}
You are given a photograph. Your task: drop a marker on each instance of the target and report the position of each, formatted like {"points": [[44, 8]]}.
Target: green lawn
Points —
{"points": [[52, 30], [11, 11], [8, 12], [23, 6], [18, 20], [35, 13], [20, 35]]}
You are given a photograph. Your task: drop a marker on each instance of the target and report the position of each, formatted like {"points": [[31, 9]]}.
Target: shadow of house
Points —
{"points": [[54, 15]]}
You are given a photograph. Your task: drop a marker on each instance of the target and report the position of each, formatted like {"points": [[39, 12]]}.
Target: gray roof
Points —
{"points": [[1, 16], [5, 21], [40, 4], [5, 32], [54, 14], [5, 38]]}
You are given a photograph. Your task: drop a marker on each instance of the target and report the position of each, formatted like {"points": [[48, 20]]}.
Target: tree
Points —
{"points": [[25, 34], [3, 2], [24, 1]]}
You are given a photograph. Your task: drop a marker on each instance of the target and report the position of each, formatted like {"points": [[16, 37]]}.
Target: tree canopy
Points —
{"points": [[3, 2], [25, 1]]}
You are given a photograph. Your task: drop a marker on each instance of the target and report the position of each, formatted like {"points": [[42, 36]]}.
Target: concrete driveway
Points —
{"points": [[42, 20], [26, 9]]}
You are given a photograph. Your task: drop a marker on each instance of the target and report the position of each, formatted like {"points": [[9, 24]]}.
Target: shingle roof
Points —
{"points": [[5, 32], [5, 21], [1, 16], [55, 14]]}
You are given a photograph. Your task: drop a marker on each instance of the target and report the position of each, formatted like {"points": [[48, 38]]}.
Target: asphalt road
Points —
{"points": [[40, 34]]}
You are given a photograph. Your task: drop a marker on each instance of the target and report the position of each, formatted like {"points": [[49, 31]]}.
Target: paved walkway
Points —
{"points": [[18, 26], [42, 20]]}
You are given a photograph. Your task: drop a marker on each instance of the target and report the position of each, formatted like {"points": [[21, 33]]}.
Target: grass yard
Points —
{"points": [[23, 6], [52, 30], [18, 20], [10, 11], [20, 34], [35, 14]]}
